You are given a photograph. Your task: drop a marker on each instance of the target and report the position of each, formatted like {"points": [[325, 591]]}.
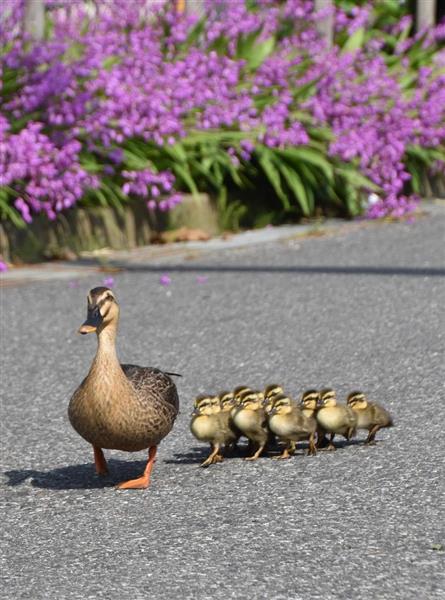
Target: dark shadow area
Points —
{"points": [[278, 269], [75, 477], [198, 454], [83, 477]]}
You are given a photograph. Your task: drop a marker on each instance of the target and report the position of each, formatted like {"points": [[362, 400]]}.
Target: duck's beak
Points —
{"points": [[94, 319]]}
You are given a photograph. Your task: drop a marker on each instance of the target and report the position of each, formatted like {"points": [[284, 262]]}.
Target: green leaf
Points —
{"points": [[110, 61], [176, 151], [260, 52], [356, 179], [183, 172], [272, 174], [134, 161], [294, 182], [355, 41], [196, 32], [310, 156]]}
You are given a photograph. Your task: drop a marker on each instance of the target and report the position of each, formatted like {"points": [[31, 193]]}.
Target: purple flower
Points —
{"points": [[165, 279], [108, 282], [3, 266], [201, 279]]}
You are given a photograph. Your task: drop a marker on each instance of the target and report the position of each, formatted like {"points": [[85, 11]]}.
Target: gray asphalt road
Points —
{"points": [[359, 309]]}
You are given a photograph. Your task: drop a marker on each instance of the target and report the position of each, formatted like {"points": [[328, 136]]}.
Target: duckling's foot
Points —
{"points": [[257, 454], [143, 481], [211, 460], [284, 455], [99, 461], [312, 450], [214, 457], [370, 441]]}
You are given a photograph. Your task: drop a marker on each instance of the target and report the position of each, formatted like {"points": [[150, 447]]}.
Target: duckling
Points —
{"points": [[206, 426], [290, 423], [370, 416], [250, 419], [238, 393], [309, 404], [334, 418], [227, 404], [121, 407]]}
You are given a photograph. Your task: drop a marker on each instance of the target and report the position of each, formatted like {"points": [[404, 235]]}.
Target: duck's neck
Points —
{"points": [[106, 359]]}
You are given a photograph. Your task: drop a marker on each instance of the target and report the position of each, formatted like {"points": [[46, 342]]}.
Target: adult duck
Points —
{"points": [[120, 407]]}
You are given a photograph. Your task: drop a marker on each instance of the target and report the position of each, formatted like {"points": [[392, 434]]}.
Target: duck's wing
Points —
{"points": [[152, 382]]}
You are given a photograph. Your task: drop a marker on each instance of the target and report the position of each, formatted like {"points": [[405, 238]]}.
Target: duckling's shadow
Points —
{"points": [[198, 454], [76, 477]]}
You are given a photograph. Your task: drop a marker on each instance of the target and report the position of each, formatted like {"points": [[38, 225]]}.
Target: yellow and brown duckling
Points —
{"points": [[227, 404], [335, 418], [250, 419], [290, 423], [121, 407], [310, 404], [238, 393], [370, 415], [208, 425]]}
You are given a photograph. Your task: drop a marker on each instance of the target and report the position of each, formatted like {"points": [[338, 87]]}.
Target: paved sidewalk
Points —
{"points": [[360, 308]]}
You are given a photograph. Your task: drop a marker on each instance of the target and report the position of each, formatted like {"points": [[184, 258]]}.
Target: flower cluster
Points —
{"points": [[113, 73], [42, 175]]}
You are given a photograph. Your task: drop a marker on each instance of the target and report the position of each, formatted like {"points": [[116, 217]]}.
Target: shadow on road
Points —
{"points": [[198, 454], [277, 269], [77, 476], [84, 477]]}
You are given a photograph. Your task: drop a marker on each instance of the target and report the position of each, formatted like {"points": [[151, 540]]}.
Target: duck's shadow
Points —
{"points": [[76, 477], [83, 476]]}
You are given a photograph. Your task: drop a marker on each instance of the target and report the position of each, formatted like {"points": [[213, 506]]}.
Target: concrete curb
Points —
{"points": [[107, 260]]}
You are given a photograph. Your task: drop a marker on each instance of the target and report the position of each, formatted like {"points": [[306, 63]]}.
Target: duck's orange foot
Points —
{"points": [[143, 481], [134, 484]]}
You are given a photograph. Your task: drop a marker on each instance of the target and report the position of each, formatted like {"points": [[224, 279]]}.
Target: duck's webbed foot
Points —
{"points": [[257, 453], [287, 453], [143, 481], [213, 458]]}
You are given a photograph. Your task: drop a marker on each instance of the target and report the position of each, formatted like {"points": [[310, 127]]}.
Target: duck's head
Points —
{"points": [[226, 400], [206, 405], [282, 405], [103, 309], [270, 392], [239, 392], [310, 399], [251, 400], [328, 397], [357, 400]]}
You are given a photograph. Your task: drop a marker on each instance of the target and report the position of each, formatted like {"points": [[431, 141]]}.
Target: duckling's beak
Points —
{"points": [[94, 319]]}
